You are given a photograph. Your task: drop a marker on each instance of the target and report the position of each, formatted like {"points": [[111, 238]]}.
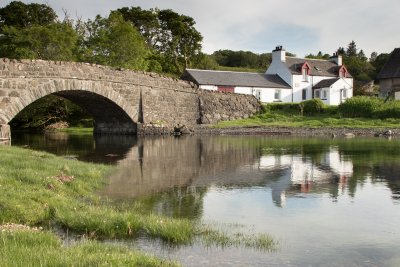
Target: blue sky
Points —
{"points": [[301, 27]]}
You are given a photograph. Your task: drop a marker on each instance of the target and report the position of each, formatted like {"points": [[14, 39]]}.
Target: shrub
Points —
{"points": [[331, 110], [388, 110], [285, 107], [360, 106], [313, 106]]}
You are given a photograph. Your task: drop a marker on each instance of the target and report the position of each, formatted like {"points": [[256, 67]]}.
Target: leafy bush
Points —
{"points": [[285, 107], [331, 110], [388, 110], [312, 106], [360, 106]]}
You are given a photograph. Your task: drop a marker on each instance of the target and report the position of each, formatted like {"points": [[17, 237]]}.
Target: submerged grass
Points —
{"points": [[238, 239]]}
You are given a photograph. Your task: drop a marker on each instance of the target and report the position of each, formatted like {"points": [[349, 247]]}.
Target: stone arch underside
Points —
{"points": [[108, 116], [111, 111]]}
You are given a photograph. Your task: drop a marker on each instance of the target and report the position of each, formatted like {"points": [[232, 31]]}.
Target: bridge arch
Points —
{"points": [[111, 111]]}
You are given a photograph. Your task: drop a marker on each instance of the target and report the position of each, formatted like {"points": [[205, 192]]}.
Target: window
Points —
{"points": [[324, 94], [277, 95], [344, 93], [304, 94], [304, 72], [317, 94]]}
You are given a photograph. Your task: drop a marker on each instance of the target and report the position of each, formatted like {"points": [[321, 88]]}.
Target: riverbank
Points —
{"points": [[299, 131]]}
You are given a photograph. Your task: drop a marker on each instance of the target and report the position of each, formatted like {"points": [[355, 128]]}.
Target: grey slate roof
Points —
{"points": [[392, 67], [325, 83], [318, 67], [230, 78]]}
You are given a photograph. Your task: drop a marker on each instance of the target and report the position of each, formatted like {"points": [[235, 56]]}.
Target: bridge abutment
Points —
{"points": [[5, 134], [126, 128]]}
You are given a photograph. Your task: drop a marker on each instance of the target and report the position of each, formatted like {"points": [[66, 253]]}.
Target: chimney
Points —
{"points": [[279, 54], [337, 59]]}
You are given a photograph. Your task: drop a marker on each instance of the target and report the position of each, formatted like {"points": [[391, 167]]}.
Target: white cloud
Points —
{"points": [[302, 27]]}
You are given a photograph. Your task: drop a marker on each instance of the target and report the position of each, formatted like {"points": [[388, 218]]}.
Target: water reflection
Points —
{"points": [[100, 149], [330, 202], [303, 174], [290, 168]]}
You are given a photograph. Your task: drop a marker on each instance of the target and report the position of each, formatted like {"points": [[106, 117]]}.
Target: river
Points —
{"points": [[328, 202]]}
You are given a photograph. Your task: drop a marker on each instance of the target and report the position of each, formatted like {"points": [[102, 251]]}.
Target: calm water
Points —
{"points": [[328, 202]]}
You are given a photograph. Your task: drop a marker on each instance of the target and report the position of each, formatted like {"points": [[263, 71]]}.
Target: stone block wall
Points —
{"points": [[218, 106], [147, 98]]}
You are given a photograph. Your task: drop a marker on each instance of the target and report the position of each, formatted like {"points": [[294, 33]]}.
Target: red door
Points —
{"points": [[226, 89]]}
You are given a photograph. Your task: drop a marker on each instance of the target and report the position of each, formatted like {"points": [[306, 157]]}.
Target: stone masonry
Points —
{"points": [[119, 100]]}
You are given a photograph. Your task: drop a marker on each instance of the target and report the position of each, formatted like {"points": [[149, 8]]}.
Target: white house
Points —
{"points": [[288, 79]]}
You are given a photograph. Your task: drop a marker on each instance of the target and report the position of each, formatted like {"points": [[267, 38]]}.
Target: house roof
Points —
{"points": [[392, 67], [318, 67], [325, 83], [230, 78]]}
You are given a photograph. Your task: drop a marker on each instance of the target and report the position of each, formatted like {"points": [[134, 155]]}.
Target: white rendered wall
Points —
{"points": [[334, 92], [209, 87], [280, 68], [267, 95]]}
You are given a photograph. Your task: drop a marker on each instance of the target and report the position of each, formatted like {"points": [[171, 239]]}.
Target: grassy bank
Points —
{"points": [[77, 130], [40, 189], [283, 119], [32, 248], [287, 115]]}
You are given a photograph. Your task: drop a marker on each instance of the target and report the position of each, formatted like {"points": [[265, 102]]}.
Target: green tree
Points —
{"points": [[242, 59], [320, 55], [181, 42], [113, 41], [351, 49], [55, 41], [172, 36], [205, 62], [20, 15], [379, 62], [146, 21]]}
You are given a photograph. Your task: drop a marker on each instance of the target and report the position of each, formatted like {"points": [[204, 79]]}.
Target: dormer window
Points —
{"points": [[342, 72], [305, 71]]}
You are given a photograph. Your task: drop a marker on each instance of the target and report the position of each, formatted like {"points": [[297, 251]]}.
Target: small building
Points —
{"points": [[389, 76], [288, 79], [262, 86]]}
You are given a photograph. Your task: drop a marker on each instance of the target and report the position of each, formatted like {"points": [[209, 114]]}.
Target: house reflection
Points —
{"points": [[301, 174]]}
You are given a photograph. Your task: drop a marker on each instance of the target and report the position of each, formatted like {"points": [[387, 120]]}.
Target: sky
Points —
{"points": [[301, 27]]}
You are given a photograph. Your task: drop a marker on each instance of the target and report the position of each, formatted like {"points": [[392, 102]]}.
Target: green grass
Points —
{"points": [[40, 189], [32, 194], [290, 119], [238, 239], [77, 130], [27, 248]]}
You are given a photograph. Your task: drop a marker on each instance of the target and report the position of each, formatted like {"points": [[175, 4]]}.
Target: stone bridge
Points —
{"points": [[120, 101]]}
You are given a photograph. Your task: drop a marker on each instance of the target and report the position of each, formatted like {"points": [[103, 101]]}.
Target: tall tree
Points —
{"points": [[146, 21], [171, 35], [20, 15], [351, 49], [113, 41]]}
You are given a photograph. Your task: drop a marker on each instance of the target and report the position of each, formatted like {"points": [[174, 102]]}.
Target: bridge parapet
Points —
{"points": [[118, 100]]}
